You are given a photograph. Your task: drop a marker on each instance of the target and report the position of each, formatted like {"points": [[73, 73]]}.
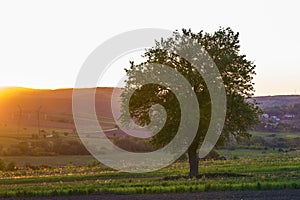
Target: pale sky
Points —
{"points": [[43, 44]]}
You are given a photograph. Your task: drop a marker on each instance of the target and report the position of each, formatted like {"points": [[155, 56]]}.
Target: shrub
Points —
{"points": [[94, 163], [214, 155], [2, 165], [132, 144], [11, 166]]}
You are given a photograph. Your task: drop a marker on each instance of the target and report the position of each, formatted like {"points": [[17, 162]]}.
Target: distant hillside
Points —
{"points": [[281, 113], [278, 101], [21, 105]]}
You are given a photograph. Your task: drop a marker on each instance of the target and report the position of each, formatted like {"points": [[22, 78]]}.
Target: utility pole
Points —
{"points": [[38, 118], [20, 118]]}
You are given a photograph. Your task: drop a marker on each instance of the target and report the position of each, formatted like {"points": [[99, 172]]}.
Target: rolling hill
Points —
{"points": [[277, 101], [53, 108]]}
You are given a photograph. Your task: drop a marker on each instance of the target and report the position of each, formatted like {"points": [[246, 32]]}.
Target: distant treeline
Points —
{"points": [[64, 145]]}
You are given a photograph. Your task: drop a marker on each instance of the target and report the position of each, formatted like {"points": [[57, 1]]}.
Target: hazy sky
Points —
{"points": [[44, 43]]}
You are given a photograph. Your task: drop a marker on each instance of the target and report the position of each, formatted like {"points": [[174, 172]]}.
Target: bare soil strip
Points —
{"points": [[245, 195]]}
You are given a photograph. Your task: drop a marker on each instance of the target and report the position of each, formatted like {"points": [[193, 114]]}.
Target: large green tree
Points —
{"points": [[236, 71]]}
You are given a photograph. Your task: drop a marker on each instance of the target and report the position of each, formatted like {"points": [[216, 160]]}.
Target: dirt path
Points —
{"points": [[259, 195]]}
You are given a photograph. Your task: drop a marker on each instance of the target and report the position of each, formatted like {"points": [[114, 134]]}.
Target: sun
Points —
{"points": [[8, 91], [5, 91]]}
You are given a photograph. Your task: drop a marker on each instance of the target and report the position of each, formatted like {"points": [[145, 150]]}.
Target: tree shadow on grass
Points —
{"points": [[206, 175]]}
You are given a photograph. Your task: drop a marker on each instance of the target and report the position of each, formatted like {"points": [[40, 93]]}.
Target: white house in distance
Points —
{"points": [[289, 116]]}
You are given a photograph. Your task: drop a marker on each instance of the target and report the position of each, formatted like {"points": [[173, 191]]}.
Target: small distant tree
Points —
{"points": [[2, 165], [237, 74], [11, 166]]}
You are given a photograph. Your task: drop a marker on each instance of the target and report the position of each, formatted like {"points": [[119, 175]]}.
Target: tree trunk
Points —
{"points": [[194, 163]]}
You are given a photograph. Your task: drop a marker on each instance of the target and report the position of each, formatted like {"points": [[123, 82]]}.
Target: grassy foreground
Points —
{"points": [[273, 172]]}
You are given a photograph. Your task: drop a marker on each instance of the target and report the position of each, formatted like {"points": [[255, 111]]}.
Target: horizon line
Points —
{"points": [[71, 88]]}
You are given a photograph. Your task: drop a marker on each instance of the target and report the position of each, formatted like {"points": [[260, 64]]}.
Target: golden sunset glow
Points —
{"points": [[8, 91], [4, 92]]}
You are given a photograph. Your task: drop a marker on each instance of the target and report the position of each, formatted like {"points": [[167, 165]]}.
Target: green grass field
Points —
{"points": [[244, 169], [276, 134], [272, 172], [12, 135], [252, 153], [51, 161]]}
